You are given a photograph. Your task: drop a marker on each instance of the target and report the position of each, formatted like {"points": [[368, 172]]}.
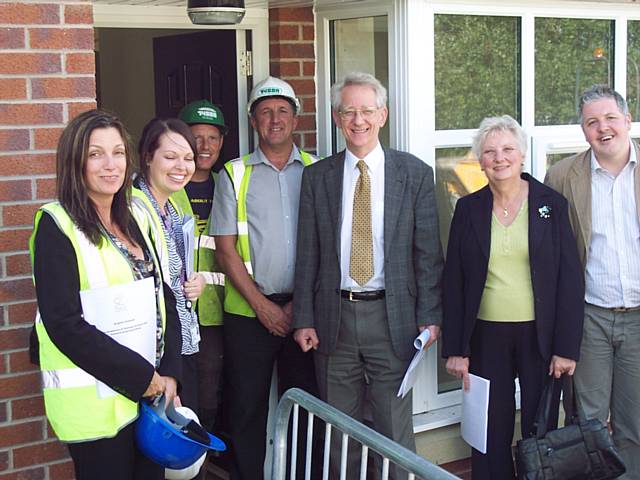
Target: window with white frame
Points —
{"points": [[350, 38], [360, 45], [633, 68], [452, 64], [482, 67]]}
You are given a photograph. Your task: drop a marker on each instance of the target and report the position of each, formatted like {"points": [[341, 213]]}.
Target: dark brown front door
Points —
{"points": [[198, 66]]}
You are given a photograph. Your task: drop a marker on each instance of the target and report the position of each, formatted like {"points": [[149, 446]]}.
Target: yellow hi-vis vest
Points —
{"points": [[240, 172], [209, 305], [72, 405], [142, 206]]}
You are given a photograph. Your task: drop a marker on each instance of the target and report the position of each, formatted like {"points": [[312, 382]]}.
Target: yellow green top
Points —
{"points": [[508, 294]]}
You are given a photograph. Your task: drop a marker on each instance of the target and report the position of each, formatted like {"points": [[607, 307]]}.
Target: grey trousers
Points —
{"points": [[364, 349], [607, 378]]}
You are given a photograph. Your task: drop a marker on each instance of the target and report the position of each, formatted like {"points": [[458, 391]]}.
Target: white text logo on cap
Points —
{"points": [[207, 112]]}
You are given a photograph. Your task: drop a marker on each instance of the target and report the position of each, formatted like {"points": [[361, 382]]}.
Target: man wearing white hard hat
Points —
{"points": [[255, 216]]}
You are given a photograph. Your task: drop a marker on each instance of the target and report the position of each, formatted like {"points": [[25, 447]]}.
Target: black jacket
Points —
{"points": [[58, 291], [556, 273]]}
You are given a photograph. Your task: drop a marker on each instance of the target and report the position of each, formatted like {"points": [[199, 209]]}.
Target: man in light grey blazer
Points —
{"points": [[362, 326], [602, 185]]}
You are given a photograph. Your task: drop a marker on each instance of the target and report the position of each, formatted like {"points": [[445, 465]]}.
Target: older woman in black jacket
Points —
{"points": [[513, 290]]}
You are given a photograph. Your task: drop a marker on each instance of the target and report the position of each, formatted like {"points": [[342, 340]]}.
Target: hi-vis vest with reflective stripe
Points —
{"points": [[70, 393], [142, 207], [240, 172], [209, 305]]}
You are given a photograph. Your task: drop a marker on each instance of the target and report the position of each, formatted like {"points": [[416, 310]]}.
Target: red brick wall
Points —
{"points": [[292, 52], [46, 77]]}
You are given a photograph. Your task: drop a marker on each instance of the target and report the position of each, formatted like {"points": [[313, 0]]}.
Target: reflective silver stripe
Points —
{"points": [[207, 241], [147, 215], [238, 172], [67, 378], [243, 228], [96, 274], [213, 278]]}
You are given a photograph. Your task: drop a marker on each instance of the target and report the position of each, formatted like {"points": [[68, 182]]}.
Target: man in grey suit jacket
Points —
{"points": [[364, 329], [602, 185]]}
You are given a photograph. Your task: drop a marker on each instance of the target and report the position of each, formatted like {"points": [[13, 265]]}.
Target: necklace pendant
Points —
{"points": [[505, 212]]}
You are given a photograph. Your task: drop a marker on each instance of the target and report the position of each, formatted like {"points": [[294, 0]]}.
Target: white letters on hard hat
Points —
{"points": [[272, 87]]}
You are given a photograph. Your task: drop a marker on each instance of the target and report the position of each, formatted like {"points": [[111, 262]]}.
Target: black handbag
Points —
{"points": [[583, 449]]}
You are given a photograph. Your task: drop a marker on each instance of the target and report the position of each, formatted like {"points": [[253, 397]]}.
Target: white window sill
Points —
{"points": [[442, 417]]}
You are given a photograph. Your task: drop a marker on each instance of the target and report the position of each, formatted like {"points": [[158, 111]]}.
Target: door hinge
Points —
{"points": [[246, 64]]}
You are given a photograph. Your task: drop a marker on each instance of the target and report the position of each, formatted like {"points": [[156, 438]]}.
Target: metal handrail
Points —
{"points": [[368, 437]]}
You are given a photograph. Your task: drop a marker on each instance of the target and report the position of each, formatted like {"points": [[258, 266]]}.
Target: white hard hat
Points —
{"points": [[192, 470], [272, 87]]}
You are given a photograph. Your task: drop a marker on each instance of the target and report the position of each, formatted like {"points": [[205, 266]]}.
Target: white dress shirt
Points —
{"points": [[375, 167], [613, 263]]}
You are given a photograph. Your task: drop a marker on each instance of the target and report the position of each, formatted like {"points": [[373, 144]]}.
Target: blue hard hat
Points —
{"points": [[164, 437]]}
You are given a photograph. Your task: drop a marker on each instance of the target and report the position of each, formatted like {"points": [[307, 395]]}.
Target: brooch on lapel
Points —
{"points": [[544, 211]]}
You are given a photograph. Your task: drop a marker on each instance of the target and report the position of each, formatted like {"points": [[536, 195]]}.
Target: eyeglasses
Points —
{"points": [[350, 113]]}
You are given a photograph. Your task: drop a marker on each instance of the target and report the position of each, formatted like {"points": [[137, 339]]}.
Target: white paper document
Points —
{"points": [[475, 413], [127, 313], [410, 377], [188, 225]]}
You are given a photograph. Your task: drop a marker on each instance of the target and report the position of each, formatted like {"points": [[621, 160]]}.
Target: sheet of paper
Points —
{"points": [[475, 408], [127, 313], [411, 376], [421, 340], [188, 225]]}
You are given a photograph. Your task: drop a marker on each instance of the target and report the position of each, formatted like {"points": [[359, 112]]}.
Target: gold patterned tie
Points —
{"points": [[361, 266]]}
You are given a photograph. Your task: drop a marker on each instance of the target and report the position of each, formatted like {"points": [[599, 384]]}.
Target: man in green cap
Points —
{"points": [[207, 124]]}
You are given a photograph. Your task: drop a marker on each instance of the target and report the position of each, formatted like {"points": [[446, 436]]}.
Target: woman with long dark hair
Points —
{"points": [[88, 241]]}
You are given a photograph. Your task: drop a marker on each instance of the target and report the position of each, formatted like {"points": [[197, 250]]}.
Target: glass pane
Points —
{"points": [[457, 174], [633, 69], [477, 69], [571, 55], [360, 45], [553, 158]]}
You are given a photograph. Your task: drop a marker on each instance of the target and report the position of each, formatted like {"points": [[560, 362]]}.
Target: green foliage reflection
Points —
{"points": [[633, 68], [477, 69], [571, 55]]}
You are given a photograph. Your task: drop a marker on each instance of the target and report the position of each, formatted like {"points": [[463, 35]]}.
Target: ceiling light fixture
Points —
{"points": [[215, 12]]}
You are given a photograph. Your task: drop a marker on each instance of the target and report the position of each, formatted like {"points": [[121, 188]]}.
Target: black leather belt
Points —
{"points": [[362, 296], [280, 298]]}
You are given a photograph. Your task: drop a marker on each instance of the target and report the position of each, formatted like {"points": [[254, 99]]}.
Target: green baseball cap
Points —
{"points": [[203, 111]]}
